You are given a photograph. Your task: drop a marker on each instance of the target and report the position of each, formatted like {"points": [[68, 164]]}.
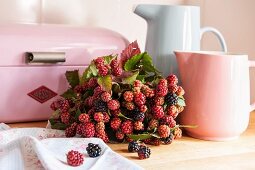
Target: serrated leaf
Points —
{"points": [[108, 59], [93, 69], [59, 125], [148, 64], [105, 82], [87, 74], [73, 78], [140, 136], [132, 62], [131, 79], [141, 78], [131, 50], [69, 94], [181, 102]]}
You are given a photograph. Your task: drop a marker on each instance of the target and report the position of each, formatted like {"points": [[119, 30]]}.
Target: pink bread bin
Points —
{"points": [[34, 59]]}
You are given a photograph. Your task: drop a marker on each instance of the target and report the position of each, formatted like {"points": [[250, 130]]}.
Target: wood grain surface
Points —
{"points": [[188, 153]]}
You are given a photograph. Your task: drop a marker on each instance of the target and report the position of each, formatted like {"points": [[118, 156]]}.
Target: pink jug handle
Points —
{"points": [[252, 64], [218, 35]]}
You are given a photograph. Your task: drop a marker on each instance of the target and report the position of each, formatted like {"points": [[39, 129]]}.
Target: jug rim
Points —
{"points": [[204, 52], [166, 5]]}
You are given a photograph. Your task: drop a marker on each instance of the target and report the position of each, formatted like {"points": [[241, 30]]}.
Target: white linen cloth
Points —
{"points": [[40, 148]]}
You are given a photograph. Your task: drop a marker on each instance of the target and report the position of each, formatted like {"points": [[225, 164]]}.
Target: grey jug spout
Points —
{"points": [[145, 11]]}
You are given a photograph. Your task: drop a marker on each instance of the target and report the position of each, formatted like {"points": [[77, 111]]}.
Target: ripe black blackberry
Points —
{"points": [[100, 106], [138, 115], [133, 146], [144, 152], [93, 150], [171, 99], [168, 140]]}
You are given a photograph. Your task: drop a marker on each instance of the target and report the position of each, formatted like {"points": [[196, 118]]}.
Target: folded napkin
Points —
{"points": [[40, 148]]}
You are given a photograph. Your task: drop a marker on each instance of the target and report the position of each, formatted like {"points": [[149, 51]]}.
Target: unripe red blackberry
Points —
{"points": [[162, 82], [163, 131], [113, 104], [127, 127], [71, 131], [157, 111], [130, 105], [168, 120], [114, 63], [115, 123], [103, 71], [98, 117], [65, 118], [106, 117], [97, 91], [143, 108], [100, 127], [161, 90], [102, 135], [117, 71], [119, 135], [92, 82], [106, 97], [138, 125], [180, 109], [83, 118], [153, 123], [78, 89], [137, 83], [99, 61], [177, 133], [74, 158], [158, 101], [171, 110], [180, 91], [155, 141], [139, 99], [64, 105], [88, 130], [172, 88], [148, 92], [79, 129], [172, 79], [128, 96]]}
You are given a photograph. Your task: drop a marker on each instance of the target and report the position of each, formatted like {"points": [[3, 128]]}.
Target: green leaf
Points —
{"points": [[77, 114], [105, 82], [87, 74], [148, 64], [181, 102], [132, 62], [73, 78], [55, 114], [131, 79], [69, 94], [93, 69], [121, 115], [59, 125], [141, 78], [140, 136], [108, 59]]}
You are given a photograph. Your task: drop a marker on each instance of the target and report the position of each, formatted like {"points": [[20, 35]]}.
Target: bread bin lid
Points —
{"points": [[78, 45]]}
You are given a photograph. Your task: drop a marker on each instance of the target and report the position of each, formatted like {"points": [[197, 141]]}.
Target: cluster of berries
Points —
{"points": [[138, 107], [75, 158], [104, 69], [143, 151]]}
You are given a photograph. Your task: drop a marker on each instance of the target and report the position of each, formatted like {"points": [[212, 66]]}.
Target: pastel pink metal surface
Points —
{"points": [[18, 78], [217, 87]]}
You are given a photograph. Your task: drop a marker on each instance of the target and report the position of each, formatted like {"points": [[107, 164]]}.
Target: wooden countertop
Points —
{"points": [[190, 153]]}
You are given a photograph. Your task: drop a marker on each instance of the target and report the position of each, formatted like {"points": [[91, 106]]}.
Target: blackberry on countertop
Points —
{"points": [[168, 140], [93, 150], [100, 106], [171, 99], [144, 152], [133, 146]]}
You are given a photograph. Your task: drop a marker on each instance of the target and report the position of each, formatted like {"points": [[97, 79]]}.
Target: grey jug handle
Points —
{"points": [[218, 34]]}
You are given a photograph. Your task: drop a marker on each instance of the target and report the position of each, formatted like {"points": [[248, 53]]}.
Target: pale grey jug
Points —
{"points": [[172, 28]]}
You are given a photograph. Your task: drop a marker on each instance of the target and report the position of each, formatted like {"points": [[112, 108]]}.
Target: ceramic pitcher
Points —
{"points": [[172, 28]]}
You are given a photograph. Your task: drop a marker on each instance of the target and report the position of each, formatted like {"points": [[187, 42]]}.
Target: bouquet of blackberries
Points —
{"points": [[120, 99]]}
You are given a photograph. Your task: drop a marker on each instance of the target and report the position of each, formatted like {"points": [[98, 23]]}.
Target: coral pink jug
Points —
{"points": [[217, 94]]}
